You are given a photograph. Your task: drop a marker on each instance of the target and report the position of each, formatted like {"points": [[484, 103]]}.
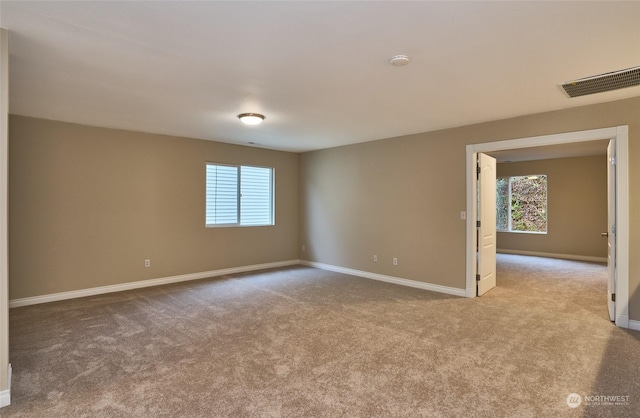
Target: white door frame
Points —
{"points": [[5, 367], [611, 227], [621, 135]]}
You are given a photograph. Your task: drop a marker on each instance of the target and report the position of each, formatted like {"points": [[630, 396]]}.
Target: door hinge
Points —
{"points": [[477, 170], [477, 224], [613, 160], [477, 277], [613, 229], [613, 297]]}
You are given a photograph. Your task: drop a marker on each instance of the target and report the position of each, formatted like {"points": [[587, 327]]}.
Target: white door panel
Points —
{"points": [[487, 229]]}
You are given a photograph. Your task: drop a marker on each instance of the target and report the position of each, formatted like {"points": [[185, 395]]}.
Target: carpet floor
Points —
{"points": [[302, 342]]}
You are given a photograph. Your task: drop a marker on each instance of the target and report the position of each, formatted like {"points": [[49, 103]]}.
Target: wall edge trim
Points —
{"points": [[554, 255], [92, 291], [389, 279]]}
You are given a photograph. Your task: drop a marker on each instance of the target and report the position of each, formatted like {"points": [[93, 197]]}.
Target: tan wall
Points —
{"points": [[88, 205], [576, 207], [402, 197]]}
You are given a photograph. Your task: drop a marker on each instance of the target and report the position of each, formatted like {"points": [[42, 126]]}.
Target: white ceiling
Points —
{"points": [[319, 71]]}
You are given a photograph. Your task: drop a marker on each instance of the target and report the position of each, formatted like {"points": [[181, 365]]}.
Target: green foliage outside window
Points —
{"points": [[521, 203], [502, 204]]}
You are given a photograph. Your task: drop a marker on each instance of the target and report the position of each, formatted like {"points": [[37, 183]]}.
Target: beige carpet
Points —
{"points": [[302, 342]]}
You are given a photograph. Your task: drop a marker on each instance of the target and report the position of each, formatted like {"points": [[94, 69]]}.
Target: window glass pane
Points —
{"points": [[256, 196], [529, 203], [221, 195], [502, 204], [238, 195], [521, 203]]}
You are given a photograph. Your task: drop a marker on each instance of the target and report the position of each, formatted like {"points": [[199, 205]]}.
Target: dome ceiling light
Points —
{"points": [[251, 118]]}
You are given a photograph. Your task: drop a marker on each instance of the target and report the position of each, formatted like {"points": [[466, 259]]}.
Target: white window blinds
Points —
{"points": [[255, 196], [239, 195]]}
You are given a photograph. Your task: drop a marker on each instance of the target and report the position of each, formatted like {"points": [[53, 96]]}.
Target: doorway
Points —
{"points": [[620, 135]]}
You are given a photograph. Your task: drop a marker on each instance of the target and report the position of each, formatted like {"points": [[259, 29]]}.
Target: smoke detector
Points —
{"points": [[603, 82], [399, 60]]}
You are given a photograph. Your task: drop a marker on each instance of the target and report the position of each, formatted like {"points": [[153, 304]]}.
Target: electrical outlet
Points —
{"points": [[463, 215], [395, 261], [375, 258], [147, 263]]}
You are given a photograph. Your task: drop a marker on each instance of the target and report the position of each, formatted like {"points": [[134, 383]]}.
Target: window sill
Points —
{"points": [[238, 226], [521, 232]]}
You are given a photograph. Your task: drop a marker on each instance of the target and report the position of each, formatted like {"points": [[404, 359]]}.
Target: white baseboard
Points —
{"points": [[554, 255], [622, 320], [635, 325], [15, 303], [389, 279], [5, 398], [5, 395]]}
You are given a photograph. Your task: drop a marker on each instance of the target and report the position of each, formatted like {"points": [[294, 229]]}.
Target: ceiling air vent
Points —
{"points": [[603, 82]]}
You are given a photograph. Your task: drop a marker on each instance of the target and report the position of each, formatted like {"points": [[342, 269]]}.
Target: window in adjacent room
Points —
{"points": [[239, 195], [521, 203]]}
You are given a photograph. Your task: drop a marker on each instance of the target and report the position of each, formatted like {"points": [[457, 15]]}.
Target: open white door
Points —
{"points": [[611, 228], [486, 217]]}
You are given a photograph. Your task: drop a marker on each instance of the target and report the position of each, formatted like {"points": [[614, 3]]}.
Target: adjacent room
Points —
{"points": [[279, 209], [552, 202]]}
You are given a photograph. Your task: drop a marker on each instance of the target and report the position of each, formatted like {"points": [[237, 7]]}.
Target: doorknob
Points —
{"points": [[605, 234]]}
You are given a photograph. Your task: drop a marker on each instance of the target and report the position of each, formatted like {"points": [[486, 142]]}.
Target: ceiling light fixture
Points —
{"points": [[399, 60], [251, 118]]}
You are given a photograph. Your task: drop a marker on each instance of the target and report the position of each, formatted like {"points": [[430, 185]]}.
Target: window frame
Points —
{"points": [[509, 207], [239, 224]]}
